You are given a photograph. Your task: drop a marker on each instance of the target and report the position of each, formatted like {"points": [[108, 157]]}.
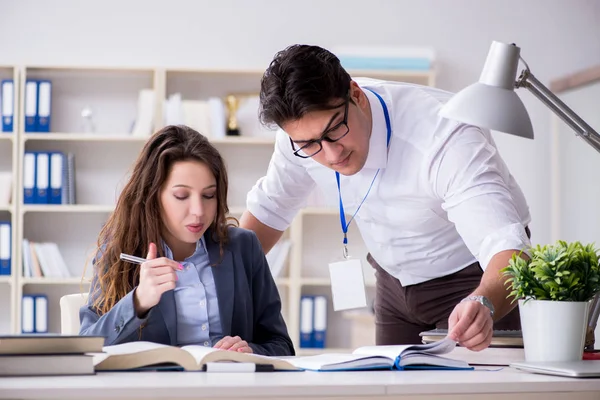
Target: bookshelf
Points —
{"points": [[103, 159], [8, 168]]}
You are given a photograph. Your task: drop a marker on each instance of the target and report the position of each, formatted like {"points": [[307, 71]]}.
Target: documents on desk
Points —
{"points": [[144, 355]]}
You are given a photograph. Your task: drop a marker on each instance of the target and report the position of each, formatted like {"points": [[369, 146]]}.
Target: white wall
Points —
{"points": [[557, 37]]}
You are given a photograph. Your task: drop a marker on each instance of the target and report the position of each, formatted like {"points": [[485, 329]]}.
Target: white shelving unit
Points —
{"points": [[9, 164], [103, 160]]}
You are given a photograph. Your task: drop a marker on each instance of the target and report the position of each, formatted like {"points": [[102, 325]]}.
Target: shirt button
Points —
{"points": [[203, 327], [206, 344], [202, 303]]}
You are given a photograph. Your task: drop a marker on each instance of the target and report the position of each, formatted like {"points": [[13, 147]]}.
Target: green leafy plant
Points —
{"points": [[561, 272]]}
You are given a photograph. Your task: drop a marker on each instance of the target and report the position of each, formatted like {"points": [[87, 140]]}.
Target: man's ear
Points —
{"points": [[356, 94]]}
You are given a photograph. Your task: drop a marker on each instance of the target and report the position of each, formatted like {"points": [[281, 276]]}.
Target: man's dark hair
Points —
{"points": [[299, 80]]}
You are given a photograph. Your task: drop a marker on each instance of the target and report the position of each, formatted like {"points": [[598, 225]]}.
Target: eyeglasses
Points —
{"points": [[312, 147]]}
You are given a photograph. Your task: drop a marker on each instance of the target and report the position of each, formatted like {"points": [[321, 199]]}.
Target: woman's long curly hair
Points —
{"points": [[136, 221]]}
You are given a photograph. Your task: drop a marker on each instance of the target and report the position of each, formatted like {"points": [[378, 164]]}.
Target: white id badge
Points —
{"points": [[347, 285]]}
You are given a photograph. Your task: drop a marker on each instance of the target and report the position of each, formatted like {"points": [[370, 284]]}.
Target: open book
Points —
{"points": [[421, 356], [141, 355]]}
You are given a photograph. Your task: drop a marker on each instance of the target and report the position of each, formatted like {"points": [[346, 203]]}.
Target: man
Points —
{"points": [[438, 209]]}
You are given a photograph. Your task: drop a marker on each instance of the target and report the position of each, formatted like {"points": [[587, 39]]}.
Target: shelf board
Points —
{"points": [[313, 352], [320, 211], [397, 73], [6, 279], [243, 140], [84, 137], [6, 207], [315, 282], [54, 281], [71, 208], [282, 281], [6, 136]]}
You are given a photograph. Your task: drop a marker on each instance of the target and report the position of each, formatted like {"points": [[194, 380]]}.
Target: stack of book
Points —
{"points": [[39, 355]]}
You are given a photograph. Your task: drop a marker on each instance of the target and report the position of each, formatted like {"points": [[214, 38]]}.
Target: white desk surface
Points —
{"points": [[506, 383]]}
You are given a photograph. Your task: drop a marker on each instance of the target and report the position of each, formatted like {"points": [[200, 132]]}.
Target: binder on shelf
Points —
{"points": [[27, 314], [40, 311], [29, 177], [58, 191], [42, 177], [320, 322], [306, 321], [44, 106], [34, 313], [31, 105], [7, 97], [5, 248]]}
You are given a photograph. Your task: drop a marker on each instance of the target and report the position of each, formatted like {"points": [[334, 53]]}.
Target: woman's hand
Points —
{"points": [[157, 275], [233, 344]]}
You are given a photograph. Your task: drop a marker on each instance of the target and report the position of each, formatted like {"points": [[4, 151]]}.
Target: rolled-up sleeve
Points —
{"points": [[474, 183], [278, 196]]}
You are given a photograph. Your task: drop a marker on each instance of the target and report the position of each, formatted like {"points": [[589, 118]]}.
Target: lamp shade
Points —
{"points": [[492, 102]]}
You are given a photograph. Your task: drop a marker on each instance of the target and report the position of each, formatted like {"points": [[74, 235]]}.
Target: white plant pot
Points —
{"points": [[553, 330]]}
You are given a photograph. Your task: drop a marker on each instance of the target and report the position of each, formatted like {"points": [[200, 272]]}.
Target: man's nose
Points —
{"points": [[332, 151]]}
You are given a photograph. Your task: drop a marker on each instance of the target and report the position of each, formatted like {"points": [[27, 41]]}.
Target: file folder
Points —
{"points": [[320, 322], [306, 321], [7, 97], [5, 248], [29, 172], [42, 177], [40, 312], [31, 104], [57, 184], [27, 314], [44, 106]]}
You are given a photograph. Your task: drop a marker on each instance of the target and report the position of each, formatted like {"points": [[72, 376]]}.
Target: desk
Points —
{"points": [[407, 385]]}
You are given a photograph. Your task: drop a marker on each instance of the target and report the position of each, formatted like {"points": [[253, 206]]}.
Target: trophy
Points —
{"points": [[232, 103]]}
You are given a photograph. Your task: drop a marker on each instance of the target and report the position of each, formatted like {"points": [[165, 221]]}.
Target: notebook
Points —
{"points": [[46, 365], [574, 369], [500, 338], [400, 357]]}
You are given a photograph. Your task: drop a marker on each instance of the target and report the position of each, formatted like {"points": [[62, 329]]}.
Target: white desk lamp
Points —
{"points": [[492, 103]]}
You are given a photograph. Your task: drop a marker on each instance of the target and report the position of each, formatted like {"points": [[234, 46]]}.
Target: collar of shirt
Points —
{"points": [[200, 248], [377, 157]]}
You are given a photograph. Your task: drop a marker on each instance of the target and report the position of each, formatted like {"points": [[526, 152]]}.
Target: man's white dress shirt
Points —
{"points": [[443, 198]]}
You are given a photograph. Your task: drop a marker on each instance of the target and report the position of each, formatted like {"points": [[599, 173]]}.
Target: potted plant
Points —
{"points": [[554, 288]]}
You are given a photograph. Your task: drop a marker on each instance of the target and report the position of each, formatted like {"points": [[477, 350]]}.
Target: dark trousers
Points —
{"points": [[401, 313]]}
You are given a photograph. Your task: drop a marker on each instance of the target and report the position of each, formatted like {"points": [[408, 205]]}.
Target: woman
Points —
{"points": [[204, 282]]}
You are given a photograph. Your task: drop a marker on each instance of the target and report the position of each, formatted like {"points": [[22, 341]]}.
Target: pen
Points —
{"points": [[237, 367], [132, 259]]}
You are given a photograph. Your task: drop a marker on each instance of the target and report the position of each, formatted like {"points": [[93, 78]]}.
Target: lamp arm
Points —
{"points": [[582, 129]]}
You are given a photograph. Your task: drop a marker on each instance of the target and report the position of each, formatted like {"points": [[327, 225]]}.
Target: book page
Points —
{"points": [[393, 351], [199, 352], [335, 361], [132, 347]]}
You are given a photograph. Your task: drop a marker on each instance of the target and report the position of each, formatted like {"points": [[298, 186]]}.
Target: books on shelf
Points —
{"points": [[48, 177], [500, 338], [43, 260]]}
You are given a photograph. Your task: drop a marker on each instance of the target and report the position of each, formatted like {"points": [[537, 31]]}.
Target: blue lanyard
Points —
{"points": [[337, 178]]}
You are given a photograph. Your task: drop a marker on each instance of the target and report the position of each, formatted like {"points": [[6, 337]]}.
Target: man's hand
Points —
{"points": [[471, 325], [233, 344]]}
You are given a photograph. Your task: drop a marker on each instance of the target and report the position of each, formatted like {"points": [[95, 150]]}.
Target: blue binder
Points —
{"points": [[29, 177], [5, 248], [306, 321], [7, 96], [42, 177], [31, 105], [57, 183], [44, 108]]}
